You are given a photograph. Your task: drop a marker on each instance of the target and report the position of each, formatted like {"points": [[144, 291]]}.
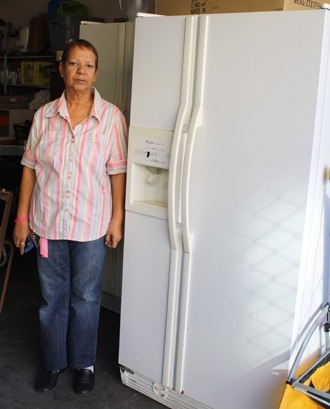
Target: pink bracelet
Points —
{"points": [[21, 219]]}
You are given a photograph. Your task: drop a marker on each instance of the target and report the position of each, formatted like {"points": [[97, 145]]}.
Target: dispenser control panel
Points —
{"points": [[151, 147]]}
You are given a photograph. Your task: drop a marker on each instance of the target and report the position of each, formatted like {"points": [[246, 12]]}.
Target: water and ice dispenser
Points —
{"points": [[148, 164]]}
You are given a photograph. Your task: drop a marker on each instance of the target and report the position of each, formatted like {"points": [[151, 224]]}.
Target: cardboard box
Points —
{"points": [[184, 7]]}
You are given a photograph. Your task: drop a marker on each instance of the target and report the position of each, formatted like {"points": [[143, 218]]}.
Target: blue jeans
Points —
{"points": [[71, 288]]}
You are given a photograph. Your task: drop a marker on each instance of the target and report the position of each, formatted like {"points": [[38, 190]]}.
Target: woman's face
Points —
{"points": [[79, 71]]}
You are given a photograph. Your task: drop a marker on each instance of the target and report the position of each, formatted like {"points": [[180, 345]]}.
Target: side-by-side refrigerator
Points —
{"points": [[229, 145]]}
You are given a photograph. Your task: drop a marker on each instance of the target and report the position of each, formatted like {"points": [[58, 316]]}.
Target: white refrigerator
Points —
{"points": [[229, 145]]}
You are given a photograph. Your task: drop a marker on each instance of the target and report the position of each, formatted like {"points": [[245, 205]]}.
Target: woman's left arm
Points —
{"points": [[115, 230]]}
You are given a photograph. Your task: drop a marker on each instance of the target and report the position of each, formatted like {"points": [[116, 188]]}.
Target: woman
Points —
{"points": [[72, 199]]}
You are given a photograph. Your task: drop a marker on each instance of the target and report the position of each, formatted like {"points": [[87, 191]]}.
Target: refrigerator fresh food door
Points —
{"points": [[254, 175]]}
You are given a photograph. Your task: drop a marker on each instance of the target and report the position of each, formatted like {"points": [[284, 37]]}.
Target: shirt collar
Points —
{"points": [[60, 107]]}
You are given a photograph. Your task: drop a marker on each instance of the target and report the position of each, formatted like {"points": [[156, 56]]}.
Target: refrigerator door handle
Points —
{"points": [[196, 122], [174, 198], [178, 143]]}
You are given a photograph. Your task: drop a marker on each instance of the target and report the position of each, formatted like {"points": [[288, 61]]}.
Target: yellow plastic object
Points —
{"points": [[35, 73], [293, 399]]}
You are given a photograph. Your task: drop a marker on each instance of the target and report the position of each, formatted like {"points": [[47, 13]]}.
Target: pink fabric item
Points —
{"points": [[43, 244]]}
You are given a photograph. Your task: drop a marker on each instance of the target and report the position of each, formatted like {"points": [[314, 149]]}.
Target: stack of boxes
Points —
{"points": [[184, 7]]}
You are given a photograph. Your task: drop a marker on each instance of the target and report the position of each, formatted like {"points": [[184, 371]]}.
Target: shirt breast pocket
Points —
{"points": [[50, 151], [94, 151]]}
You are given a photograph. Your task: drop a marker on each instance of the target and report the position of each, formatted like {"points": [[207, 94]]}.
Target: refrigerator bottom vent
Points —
{"points": [[146, 386]]}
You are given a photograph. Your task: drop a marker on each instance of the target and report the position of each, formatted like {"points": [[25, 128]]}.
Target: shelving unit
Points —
{"points": [[9, 61]]}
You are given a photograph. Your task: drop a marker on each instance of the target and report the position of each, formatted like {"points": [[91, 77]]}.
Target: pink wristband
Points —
{"points": [[21, 219]]}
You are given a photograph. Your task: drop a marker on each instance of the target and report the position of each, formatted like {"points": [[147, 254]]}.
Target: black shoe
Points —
{"points": [[84, 381], [46, 381]]}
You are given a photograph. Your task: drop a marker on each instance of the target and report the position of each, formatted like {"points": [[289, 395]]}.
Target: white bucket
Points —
{"points": [[23, 39]]}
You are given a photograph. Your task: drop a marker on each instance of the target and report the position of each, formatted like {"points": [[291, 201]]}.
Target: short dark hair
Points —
{"points": [[79, 43]]}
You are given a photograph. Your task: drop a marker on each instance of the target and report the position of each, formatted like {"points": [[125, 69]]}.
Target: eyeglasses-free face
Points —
{"points": [[79, 71]]}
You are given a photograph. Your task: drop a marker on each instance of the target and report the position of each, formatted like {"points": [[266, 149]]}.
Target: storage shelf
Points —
{"points": [[11, 150], [24, 85], [28, 57], [7, 58]]}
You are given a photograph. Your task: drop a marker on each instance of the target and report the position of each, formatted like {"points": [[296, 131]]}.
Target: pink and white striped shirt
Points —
{"points": [[71, 199]]}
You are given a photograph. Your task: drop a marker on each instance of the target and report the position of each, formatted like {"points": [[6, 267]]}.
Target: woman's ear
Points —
{"points": [[60, 67], [96, 72]]}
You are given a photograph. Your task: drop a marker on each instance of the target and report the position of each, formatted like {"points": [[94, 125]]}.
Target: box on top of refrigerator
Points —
{"points": [[184, 7]]}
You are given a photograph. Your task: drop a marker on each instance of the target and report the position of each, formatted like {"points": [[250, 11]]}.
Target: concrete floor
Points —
{"points": [[20, 357]]}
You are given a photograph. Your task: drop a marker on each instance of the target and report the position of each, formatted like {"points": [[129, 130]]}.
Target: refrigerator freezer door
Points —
{"points": [[148, 259], [144, 295], [157, 73], [250, 185]]}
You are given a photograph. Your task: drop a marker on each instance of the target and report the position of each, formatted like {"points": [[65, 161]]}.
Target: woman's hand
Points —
{"points": [[22, 229], [20, 235], [114, 234], [115, 230]]}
